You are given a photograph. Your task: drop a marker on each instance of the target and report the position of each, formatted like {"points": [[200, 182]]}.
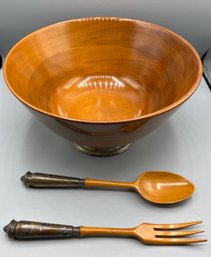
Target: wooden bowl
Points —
{"points": [[102, 82]]}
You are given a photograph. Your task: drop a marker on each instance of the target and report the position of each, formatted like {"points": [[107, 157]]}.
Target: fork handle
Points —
{"points": [[34, 230], [42, 180], [37, 230], [102, 231]]}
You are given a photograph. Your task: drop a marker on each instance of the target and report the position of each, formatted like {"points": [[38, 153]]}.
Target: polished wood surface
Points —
{"points": [[155, 186], [158, 234], [164, 187], [102, 71]]}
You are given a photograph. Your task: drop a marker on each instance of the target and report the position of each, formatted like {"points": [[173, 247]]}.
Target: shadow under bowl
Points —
{"points": [[102, 82]]}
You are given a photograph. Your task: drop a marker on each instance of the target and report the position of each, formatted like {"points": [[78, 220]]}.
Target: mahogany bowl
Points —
{"points": [[103, 82]]}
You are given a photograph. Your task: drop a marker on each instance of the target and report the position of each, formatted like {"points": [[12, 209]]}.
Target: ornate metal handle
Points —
{"points": [[32, 230], [51, 181]]}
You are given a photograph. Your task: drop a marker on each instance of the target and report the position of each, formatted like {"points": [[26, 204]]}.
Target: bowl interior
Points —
{"points": [[101, 69]]}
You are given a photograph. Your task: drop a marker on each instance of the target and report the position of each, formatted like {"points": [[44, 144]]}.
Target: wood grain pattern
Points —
{"points": [[102, 71]]}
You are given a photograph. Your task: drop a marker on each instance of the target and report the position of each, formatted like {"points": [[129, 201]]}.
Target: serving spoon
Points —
{"points": [[155, 186]]}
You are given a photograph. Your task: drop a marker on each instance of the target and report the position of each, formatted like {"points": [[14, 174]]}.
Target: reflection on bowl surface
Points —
{"points": [[101, 98], [102, 82]]}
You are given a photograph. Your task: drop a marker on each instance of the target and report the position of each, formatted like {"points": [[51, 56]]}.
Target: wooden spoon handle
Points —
{"points": [[38, 230], [89, 182], [42, 180]]}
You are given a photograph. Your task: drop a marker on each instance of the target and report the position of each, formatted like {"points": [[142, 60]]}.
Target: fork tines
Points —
{"points": [[172, 233]]}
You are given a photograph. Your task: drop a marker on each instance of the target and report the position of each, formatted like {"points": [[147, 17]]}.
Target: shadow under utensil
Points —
{"points": [[44, 151], [170, 205]]}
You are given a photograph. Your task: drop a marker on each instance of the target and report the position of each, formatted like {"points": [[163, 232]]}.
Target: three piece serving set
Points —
{"points": [[104, 83]]}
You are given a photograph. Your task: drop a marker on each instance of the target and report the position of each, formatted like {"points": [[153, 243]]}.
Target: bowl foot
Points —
{"points": [[101, 152]]}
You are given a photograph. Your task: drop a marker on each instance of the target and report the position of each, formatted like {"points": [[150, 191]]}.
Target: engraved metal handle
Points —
{"points": [[32, 230], [42, 180]]}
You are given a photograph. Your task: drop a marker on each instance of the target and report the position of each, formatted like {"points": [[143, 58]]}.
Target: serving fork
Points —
{"points": [[148, 233]]}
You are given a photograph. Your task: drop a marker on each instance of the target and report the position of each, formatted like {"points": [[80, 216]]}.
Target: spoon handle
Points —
{"points": [[42, 180], [89, 182]]}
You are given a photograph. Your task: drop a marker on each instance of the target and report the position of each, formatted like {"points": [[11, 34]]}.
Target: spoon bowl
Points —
{"points": [[163, 187], [155, 186]]}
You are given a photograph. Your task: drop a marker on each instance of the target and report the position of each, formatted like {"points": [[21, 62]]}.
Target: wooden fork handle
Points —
{"points": [[42, 180], [98, 231]]}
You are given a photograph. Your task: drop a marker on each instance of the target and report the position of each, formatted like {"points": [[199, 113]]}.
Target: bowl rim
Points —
{"points": [[102, 18]]}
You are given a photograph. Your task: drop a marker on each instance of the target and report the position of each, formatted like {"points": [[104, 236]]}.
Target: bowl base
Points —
{"points": [[101, 152]]}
